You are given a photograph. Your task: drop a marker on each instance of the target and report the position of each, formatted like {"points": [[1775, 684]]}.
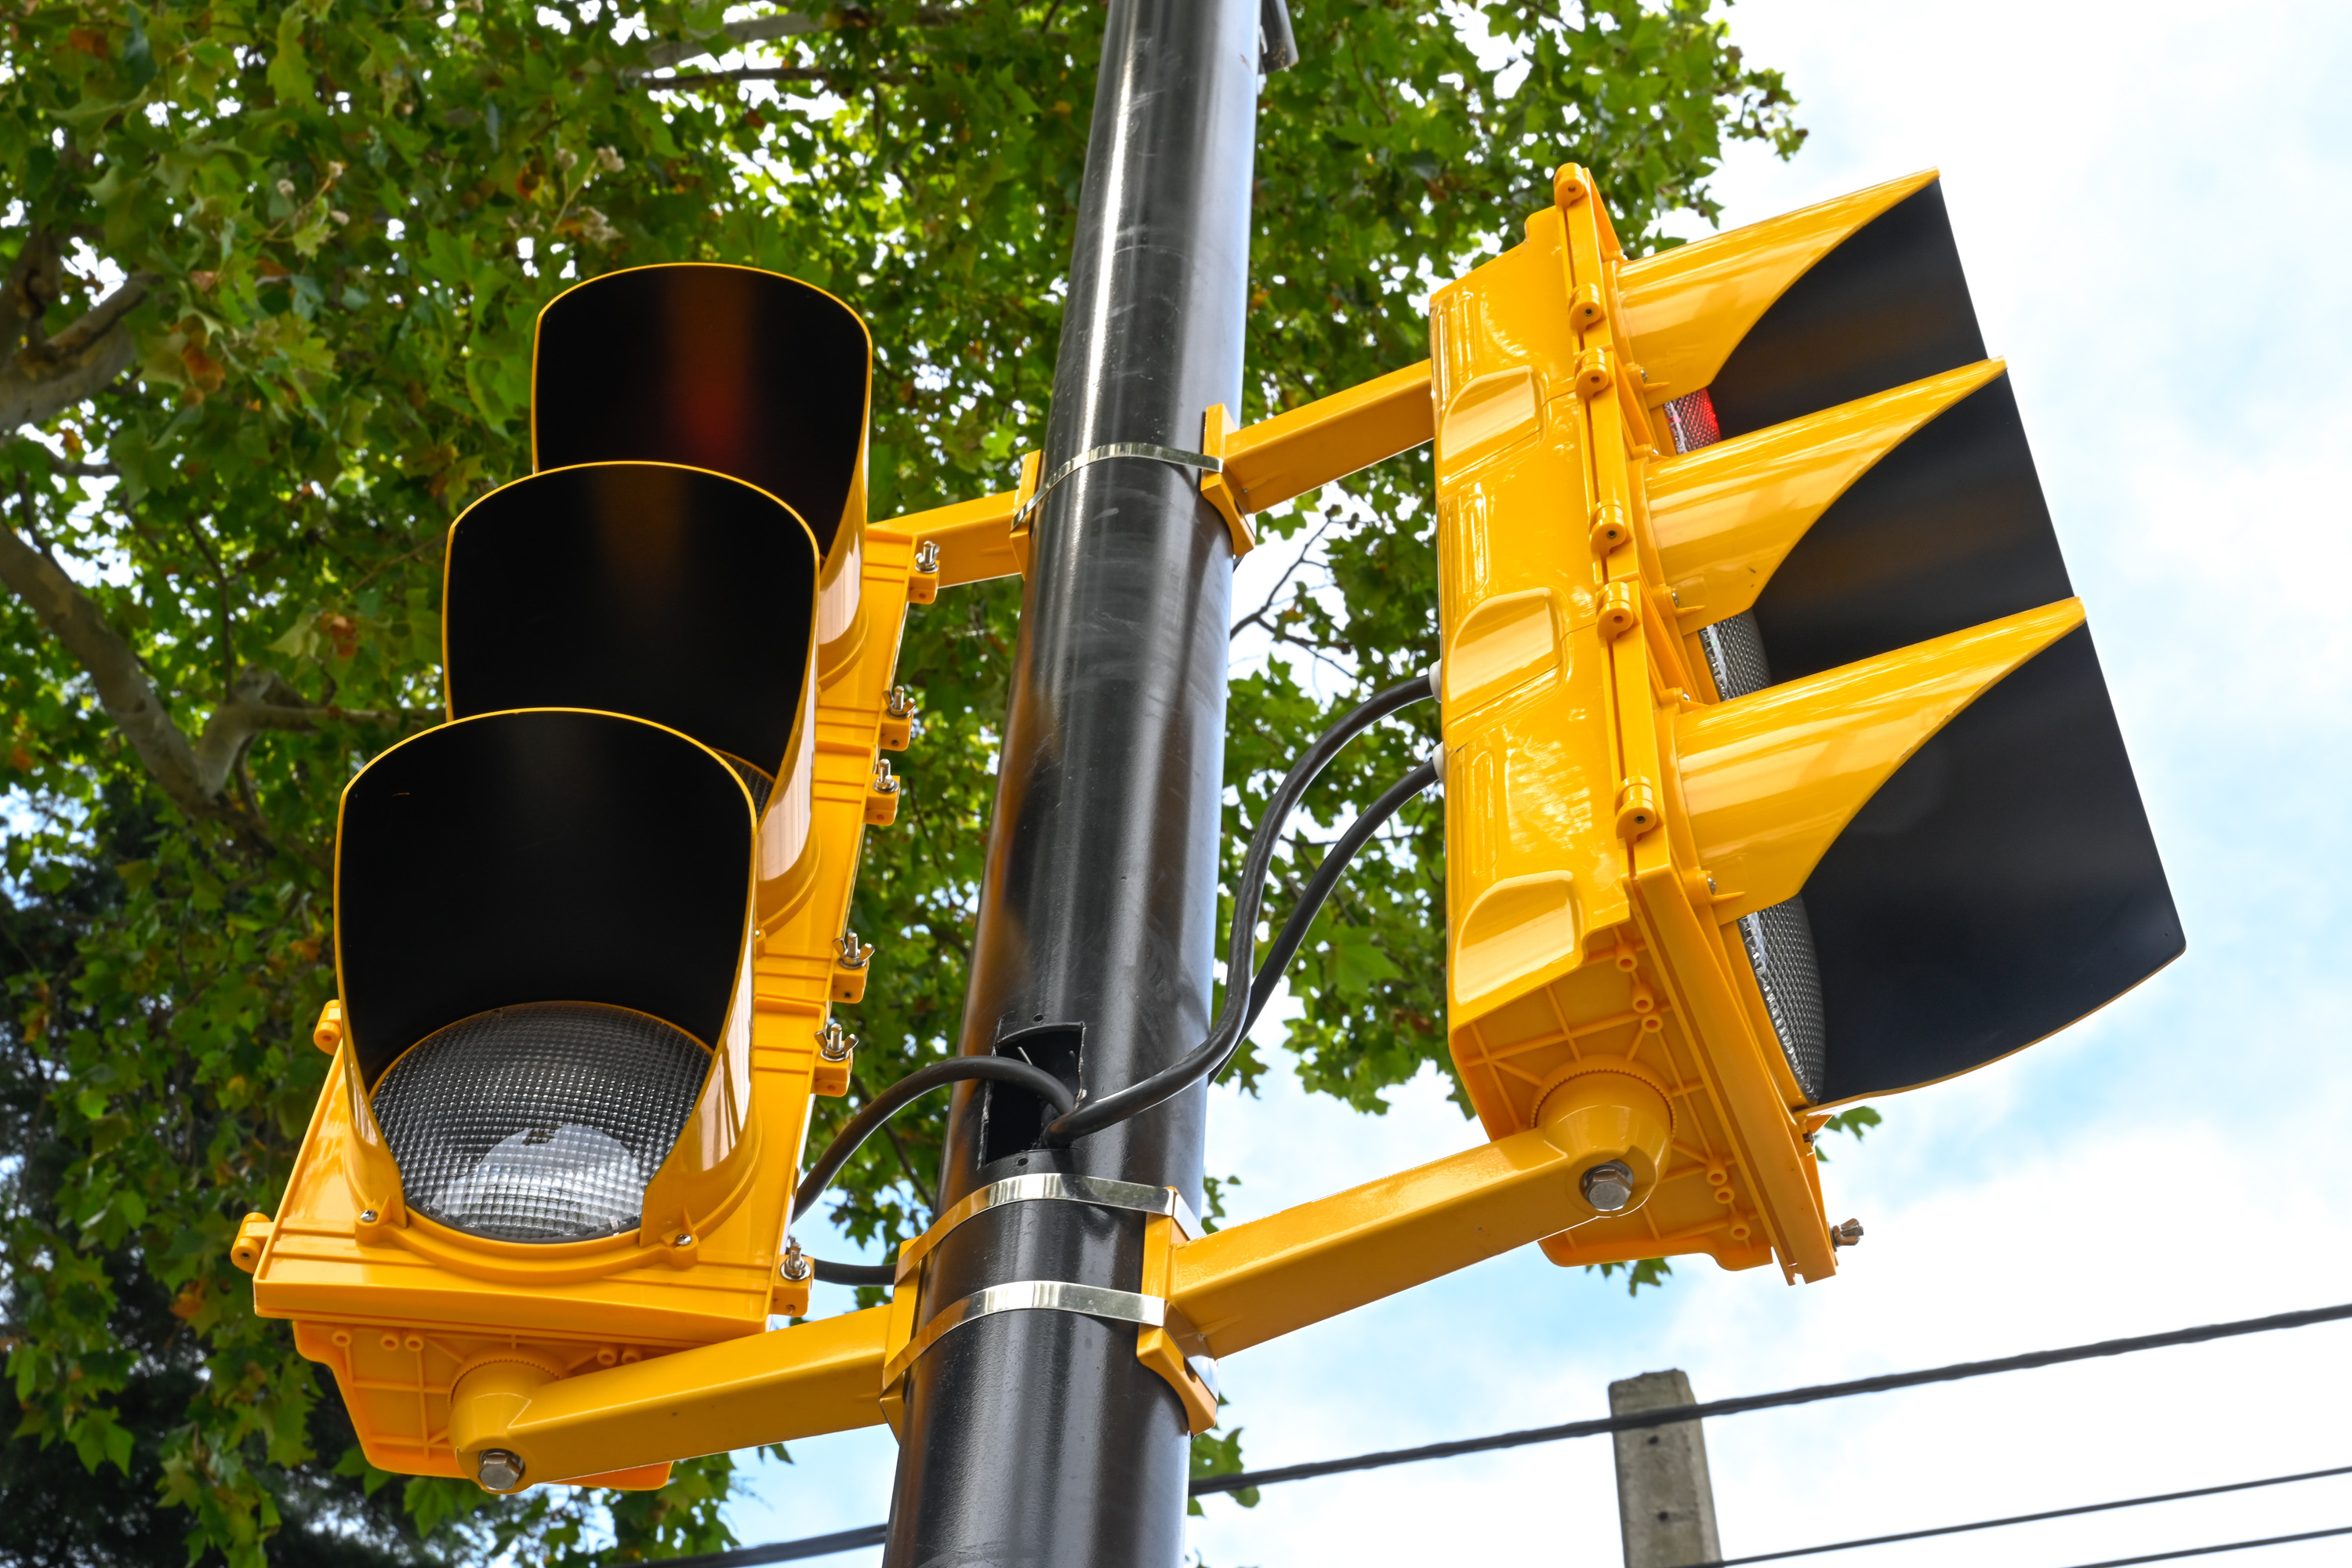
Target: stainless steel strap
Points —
{"points": [[1027, 1295], [1157, 453], [1100, 1191]]}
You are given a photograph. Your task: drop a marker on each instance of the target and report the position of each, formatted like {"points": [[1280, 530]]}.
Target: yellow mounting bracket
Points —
{"points": [[1216, 1294], [1164, 1341], [1258, 467]]}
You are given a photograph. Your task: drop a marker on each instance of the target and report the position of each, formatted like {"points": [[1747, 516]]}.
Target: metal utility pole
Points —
{"points": [[1034, 1436], [1665, 1505]]}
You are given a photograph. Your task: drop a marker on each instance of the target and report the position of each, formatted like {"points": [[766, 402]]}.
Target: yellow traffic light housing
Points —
{"points": [[1779, 766], [589, 931], [1778, 771]]}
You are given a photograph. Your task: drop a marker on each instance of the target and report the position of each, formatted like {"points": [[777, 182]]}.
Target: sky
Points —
{"points": [[2152, 204]]}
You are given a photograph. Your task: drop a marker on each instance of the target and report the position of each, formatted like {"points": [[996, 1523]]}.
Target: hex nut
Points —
{"points": [[1609, 1186], [498, 1470]]}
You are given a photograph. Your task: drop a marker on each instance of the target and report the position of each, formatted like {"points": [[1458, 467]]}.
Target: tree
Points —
{"points": [[271, 279]]}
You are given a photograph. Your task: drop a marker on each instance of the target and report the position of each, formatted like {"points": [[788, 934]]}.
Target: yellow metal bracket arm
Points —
{"points": [[1265, 465], [1225, 1292]]}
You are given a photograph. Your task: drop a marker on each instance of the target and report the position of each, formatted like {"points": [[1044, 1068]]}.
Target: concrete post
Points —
{"points": [[1664, 1504]]}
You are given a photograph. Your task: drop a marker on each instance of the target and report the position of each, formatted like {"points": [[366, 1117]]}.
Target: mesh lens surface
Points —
{"points": [[541, 1123], [1779, 943], [755, 780], [1735, 657]]}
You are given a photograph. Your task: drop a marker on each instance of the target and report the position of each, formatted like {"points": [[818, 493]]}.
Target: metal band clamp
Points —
{"points": [[1023, 1295], [1153, 450], [1100, 1191]]}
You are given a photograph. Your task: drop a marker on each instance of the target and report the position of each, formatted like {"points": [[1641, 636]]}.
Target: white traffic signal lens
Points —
{"points": [[539, 1123]]}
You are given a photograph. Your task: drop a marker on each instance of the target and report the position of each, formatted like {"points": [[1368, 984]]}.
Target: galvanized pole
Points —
{"points": [[1034, 1436], [1665, 1502]]}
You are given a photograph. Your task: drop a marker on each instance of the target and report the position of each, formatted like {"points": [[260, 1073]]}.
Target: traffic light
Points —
{"points": [[589, 931], [1779, 770]]}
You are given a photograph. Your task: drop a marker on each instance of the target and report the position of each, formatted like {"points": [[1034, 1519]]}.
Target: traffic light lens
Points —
{"points": [[539, 1123], [1779, 943], [1735, 657]]}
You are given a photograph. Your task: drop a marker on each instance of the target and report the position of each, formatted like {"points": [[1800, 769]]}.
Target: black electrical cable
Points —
{"points": [[1318, 888], [1249, 893], [1233, 1022], [1242, 1481], [888, 1103], [2025, 1518]]}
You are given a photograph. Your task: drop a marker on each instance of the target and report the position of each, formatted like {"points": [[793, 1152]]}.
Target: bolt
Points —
{"points": [[684, 1239], [367, 1216], [1609, 1186], [927, 555], [882, 782], [902, 703], [853, 954], [1846, 1235], [498, 1470], [832, 1044], [795, 1266]]}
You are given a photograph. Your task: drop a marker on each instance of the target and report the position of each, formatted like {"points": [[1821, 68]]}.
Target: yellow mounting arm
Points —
{"points": [[1238, 1287], [1265, 464]]}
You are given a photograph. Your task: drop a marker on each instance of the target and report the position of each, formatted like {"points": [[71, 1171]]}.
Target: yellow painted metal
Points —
{"points": [[1266, 464], [1770, 780], [399, 1307], [1682, 311], [1606, 820], [820, 1376], [1725, 515], [1226, 1292], [1286, 456], [974, 538]]}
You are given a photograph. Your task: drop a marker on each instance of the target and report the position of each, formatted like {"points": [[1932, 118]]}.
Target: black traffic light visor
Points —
{"points": [[664, 593], [1948, 530], [2001, 884], [742, 371], [2004, 881], [548, 855], [1888, 306]]}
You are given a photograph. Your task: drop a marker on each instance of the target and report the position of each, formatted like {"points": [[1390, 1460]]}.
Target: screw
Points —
{"points": [[367, 1216], [1608, 1187], [795, 1266], [832, 1044], [498, 1470], [882, 782], [1846, 1235], [853, 954], [682, 1239], [902, 703], [927, 555]]}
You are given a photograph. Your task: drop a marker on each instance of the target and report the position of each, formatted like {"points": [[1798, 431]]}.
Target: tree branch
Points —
{"points": [[123, 689], [195, 778], [41, 376], [748, 73]]}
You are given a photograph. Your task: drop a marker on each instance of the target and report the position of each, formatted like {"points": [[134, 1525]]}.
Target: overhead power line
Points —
{"points": [[2029, 1519], [787, 1550], [1243, 1480], [2225, 1546]]}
